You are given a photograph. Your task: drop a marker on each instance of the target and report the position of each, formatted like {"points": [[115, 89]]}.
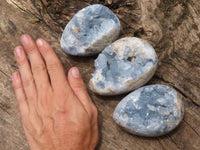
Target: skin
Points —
{"points": [[57, 112]]}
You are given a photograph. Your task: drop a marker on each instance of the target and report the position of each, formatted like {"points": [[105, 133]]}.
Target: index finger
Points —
{"points": [[54, 66]]}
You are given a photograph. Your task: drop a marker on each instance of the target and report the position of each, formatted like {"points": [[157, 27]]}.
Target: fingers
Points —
{"points": [[54, 67], [20, 95], [79, 89], [37, 64], [26, 74]]}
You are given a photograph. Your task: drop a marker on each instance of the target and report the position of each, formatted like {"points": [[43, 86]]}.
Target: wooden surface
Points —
{"points": [[171, 26]]}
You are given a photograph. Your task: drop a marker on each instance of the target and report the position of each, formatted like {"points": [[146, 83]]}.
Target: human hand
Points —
{"points": [[57, 114]]}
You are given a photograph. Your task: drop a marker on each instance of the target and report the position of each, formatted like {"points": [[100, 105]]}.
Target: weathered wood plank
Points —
{"points": [[172, 27]]}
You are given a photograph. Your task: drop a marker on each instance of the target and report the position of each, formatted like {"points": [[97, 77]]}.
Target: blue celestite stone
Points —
{"points": [[150, 111], [123, 66], [90, 31]]}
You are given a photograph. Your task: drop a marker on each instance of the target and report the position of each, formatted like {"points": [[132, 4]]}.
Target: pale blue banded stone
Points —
{"points": [[123, 66], [90, 31], [150, 111]]}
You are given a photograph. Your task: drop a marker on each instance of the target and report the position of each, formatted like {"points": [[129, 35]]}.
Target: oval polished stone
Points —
{"points": [[150, 111], [123, 66], [90, 31]]}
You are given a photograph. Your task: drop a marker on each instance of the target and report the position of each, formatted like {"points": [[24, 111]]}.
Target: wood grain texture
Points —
{"points": [[171, 26]]}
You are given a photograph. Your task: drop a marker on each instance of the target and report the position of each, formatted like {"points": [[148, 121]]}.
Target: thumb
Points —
{"points": [[79, 88]]}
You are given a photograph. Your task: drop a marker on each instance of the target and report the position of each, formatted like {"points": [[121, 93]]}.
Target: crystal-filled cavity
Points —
{"points": [[123, 66], [150, 111], [90, 31]]}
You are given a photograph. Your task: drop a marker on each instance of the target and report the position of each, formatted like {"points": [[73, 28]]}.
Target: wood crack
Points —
{"points": [[126, 23], [161, 144], [4, 73], [191, 127], [173, 142], [2, 107]]}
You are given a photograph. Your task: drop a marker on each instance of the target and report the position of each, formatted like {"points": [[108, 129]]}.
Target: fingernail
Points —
{"points": [[18, 52], [15, 76], [24, 39], [76, 73], [39, 42]]}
